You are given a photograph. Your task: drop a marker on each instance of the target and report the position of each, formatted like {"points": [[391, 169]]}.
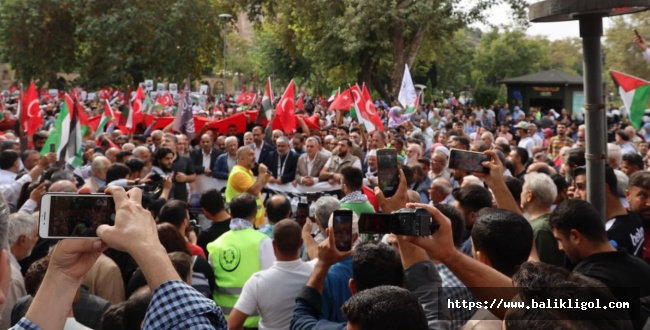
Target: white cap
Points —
{"points": [[372, 152], [443, 149]]}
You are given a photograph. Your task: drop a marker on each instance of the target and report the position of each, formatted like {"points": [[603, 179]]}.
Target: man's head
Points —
{"points": [[459, 142], [176, 213], [614, 156], [631, 163], [438, 161], [258, 135], [164, 158], [277, 208], [232, 130], [439, 190], [287, 239], [39, 139], [312, 146], [379, 140], [282, 144], [117, 171], [538, 191], [344, 147], [211, 202], [30, 159], [246, 157], [276, 134], [231, 145], [578, 228], [325, 206], [561, 129], [341, 132], [377, 308], [469, 200], [23, 234], [457, 222], [352, 179], [375, 264], [183, 143], [501, 239], [143, 153], [9, 161], [638, 194], [221, 142], [170, 141], [413, 152], [99, 167], [298, 142], [244, 207], [206, 143], [248, 138]]}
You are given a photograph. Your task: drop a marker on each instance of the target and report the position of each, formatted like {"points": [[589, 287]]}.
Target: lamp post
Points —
{"points": [[590, 13], [226, 18]]}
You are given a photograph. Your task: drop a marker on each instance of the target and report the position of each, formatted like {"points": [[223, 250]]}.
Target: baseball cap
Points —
{"points": [[522, 125]]}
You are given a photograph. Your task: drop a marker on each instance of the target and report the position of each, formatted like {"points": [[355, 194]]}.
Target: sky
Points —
{"points": [[553, 31]]}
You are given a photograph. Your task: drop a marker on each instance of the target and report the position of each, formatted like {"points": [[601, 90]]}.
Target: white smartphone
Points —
{"points": [[74, 215]]}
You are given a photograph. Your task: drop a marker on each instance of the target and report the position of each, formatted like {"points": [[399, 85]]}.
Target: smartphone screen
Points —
{"points": [[468, 161], [302, 212], [342, 223], [52, 147], [374, 223], [74, 215], [387, 172]]}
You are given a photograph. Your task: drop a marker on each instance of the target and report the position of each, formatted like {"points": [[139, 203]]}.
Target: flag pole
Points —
{"points": [[24, 140]]}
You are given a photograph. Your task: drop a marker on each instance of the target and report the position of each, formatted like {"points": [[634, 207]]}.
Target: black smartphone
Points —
{"points": [[374, 223], [342, 223], [387, 171], [302, 212], [52, 147], [68, 215], [468, 161]]}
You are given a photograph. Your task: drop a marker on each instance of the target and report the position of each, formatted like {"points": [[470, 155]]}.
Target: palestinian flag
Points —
{"points": [[60, 133], [411, 108], [107, 116], [635, 94], [75, 147], [335, 94], [267, 102]]}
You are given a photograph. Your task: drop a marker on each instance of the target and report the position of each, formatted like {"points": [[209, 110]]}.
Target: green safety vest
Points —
{"points": [[232, 192], [235, 256]]}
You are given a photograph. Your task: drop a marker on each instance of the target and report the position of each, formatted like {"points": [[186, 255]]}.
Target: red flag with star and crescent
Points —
{"points": [[30, 117], [246, 98], [285, 115]]}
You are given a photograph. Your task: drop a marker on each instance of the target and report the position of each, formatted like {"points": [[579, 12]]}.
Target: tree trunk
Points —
{"points": [[403, 54]]}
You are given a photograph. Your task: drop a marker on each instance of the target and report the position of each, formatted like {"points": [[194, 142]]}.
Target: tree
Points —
{"points": [[38, 38], [364, 40], [621, 53], [506, 55], [109, 42]]}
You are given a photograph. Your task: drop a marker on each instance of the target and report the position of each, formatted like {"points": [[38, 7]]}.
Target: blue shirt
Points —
{"points": [[336, 290], [267, 230], [174, 305]]}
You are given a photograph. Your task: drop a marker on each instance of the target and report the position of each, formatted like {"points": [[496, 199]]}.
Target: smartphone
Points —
{"points": [[374, 223], [74, 215], [468, 161], [52, 147], [387, 171], [302, 212], [342, 223]]}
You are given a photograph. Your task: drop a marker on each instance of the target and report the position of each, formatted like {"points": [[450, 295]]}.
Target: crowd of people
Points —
{"points": [[519, 231]]}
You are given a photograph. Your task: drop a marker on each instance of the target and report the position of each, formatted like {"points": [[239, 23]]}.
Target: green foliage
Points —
{"points": [[109, 42], [486, 95]]}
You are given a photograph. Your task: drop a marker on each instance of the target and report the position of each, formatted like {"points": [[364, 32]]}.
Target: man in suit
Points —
{"points": [[310, 163], [282, 162], [261, 148], [203, 158], [225, 162]]}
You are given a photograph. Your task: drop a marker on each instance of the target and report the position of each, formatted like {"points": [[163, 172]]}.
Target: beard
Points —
{"points": [[342, 154]]}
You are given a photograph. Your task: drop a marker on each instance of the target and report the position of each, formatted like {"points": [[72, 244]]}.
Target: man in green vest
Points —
{"points": [[237, 254]]}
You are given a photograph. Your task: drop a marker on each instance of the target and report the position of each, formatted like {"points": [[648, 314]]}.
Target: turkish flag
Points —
{"points": [[343, 102], [30, 116], [246, 98], [285, 111], [300, 104]]}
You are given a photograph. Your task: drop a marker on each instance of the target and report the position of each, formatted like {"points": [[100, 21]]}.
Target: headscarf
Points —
{"points": [[395, 119]]}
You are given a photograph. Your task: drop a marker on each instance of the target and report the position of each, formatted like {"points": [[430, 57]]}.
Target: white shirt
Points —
{"points": [[646, 54], [11, 191], [257, 151], [310, 166], [72, 324], [206, 158], [231, 162], [538, 140], [7, 176], [273, 292], [527, 143]]}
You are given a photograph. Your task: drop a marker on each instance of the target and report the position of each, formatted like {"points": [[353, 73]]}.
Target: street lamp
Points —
{"points": [[226, 18], [590, 13]]}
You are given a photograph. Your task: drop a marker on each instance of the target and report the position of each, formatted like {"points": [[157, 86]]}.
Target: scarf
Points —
{"points": [[239, 223], [355, 196]]}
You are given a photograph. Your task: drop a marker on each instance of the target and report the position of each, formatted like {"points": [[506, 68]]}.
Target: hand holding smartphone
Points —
{"points": [[387, 171], [72, 215], [468, 161], [342, 224]]}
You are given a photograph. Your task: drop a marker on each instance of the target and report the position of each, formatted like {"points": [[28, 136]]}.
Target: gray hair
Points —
{"points": [[489, 136], [63, 186], [138, 151], [542, 187], [4, 223], [171, 137], [614, 153], [443, 185], [314, 139], [61, 175], [231, 139], [283, 139], [21, 224], [325, 206], [128, 145], [501, 140], [100, 163], [622, 182]]}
